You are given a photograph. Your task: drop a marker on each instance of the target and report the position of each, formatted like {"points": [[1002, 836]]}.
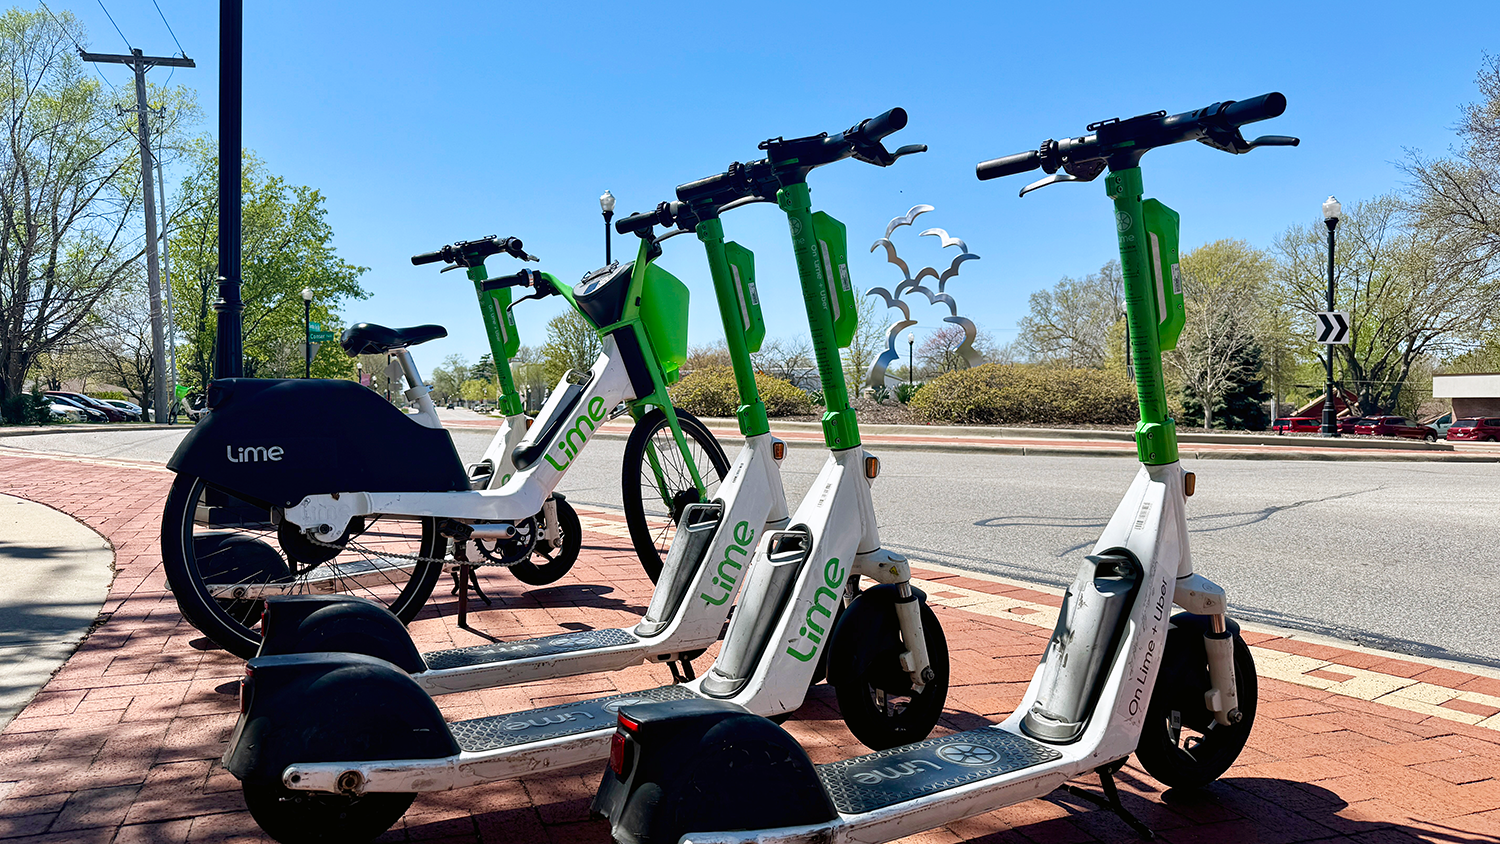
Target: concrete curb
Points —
{"points": [[37, 430]]}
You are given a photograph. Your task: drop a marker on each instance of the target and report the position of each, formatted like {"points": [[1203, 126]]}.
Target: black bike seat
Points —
{"points": [[368, 338]]}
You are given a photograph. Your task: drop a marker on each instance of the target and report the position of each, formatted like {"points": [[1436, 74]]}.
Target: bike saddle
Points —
{"points": [[368, 338]]}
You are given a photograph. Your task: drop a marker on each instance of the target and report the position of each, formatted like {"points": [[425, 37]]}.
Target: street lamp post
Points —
{"points": [[607, 205], [307, 326], [1331, 212], [911, 345]]}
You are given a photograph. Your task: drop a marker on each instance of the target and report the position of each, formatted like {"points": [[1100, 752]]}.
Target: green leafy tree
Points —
{"points": [[448, 378], [1070, 323], [571, 344], [1227, 285], [478, 389], [286, 245], [868, 341]]}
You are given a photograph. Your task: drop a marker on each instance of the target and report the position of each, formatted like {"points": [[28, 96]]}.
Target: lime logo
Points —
{"points": [[255, 454], [729, 570], [796, 225], [812, 632], [565, 442], [1123, 222]]}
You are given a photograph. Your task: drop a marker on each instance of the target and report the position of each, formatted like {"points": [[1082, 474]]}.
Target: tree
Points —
{"points": [[1456, 200], [940, 350], [787, 359], [1409, 295], [478, 389], [1226, 284], [706, 356], [118, 339], [868, 341], [572, 344], [448, 378], [1070, 323], [286, 245]]}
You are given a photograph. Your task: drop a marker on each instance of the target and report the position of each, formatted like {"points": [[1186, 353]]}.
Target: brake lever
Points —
{"points": [[449, 267], [909, 149], [1275, 141], [1053, 179]]}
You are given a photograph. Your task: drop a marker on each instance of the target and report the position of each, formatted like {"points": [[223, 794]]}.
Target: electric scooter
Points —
{"points": [[305, 774], [1121, 674], [267, 504], [702, 573]]}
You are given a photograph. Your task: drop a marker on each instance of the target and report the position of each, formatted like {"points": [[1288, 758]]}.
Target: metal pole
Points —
{"points": [[911, 372], [229, 343], [607, 216], [307, 347], [153, 271], [1330, 415], [166, 284]]}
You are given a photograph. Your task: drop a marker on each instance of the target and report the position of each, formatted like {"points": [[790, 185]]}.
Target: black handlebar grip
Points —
{"points": [[707, 187], [1263, 107], [636, 222], [882, 125], [428, 257], [1007, 166]]}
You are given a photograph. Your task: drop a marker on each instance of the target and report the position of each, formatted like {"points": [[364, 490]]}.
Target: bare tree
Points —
{"points": [[869, 338], [1070, 322], [118, 339], [787, 359], [940, 350]]}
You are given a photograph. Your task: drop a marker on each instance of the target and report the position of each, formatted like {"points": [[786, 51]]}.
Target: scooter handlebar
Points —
{"points": [[1263, 107], [1008, 165], [878, 127], [636, 223]]}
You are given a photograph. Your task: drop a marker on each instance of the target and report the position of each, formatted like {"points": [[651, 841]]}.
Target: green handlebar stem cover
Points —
{"points": [[742, 274], [1162, 224], [500, 326], [833, 254]]}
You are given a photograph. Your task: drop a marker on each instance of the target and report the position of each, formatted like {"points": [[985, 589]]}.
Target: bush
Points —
{"points": [[1006, 394], [711, 391], [27, 409], [904, 391], [108, 394]]}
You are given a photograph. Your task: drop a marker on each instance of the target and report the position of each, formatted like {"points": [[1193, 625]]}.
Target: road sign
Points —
{"points": [[1333, 328], [323, 336], [312, 350]]}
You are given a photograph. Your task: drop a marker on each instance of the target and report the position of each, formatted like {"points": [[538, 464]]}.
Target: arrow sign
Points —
{"points": [[1333, 328]]}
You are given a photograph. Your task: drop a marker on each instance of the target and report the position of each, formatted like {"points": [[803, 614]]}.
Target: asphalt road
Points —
{"points": [[1369, 552]]}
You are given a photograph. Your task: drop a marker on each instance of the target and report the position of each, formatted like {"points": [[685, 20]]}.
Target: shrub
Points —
{"points": [[1001, 394], [27, 409], [711, 391], [108, 394], [904, 391]]}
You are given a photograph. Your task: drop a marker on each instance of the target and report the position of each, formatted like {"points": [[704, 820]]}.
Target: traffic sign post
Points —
{"points": [[1333, 328]]}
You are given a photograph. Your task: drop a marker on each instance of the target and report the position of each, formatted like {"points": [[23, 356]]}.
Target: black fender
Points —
{"points": [[1184, 658], [305, 624], [276, 441], [865, 630], [701, 766], [330, 708]]}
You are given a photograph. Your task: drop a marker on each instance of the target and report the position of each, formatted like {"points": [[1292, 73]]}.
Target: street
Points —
{"points": [[1398, 556]]}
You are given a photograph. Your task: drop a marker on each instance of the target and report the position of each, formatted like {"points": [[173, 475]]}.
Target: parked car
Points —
{"points": [[1349, 423], [1395, 426], [132, 409], [111, 413], [89, 414], [1441, 425], [1476, 430], [66, 412], [1298, 425]]}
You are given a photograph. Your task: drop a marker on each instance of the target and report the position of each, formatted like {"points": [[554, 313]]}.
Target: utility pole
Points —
{"points": [[166, 283], [140, 64]]}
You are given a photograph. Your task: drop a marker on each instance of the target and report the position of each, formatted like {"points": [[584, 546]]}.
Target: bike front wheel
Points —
{"points": [[657, 485], [223, 556]]}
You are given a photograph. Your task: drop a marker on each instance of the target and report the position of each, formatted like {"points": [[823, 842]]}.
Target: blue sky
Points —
{"points": [[432, 122]]}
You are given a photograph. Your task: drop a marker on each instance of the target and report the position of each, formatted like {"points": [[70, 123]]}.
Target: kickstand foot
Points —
{"points": [[1111, 800], [685, 674]]}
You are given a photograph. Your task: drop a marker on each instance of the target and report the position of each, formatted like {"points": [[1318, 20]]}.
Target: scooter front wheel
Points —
{"points": [[223, 555], [657, 485], [541, 569], [875, 694], [309, 817], [1181, 745]]}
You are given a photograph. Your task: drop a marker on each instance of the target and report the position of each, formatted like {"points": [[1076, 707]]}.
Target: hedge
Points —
{"points": [[711, 391], [1009, 394]]}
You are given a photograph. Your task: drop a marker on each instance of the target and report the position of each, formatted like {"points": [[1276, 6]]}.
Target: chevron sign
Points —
{"points": [[1333, 328]]}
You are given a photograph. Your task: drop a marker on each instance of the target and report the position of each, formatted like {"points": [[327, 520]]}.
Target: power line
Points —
{"points": [[77, 45], [115, 25], [180, 51]]}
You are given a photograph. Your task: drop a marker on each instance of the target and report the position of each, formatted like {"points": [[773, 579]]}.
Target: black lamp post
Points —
{"points": [[1331, 212], [307, 326], [607, 205], [911, 345]]}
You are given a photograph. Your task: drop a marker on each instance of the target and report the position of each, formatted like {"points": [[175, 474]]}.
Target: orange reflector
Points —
{"points": [[778, 449], [1189, 483], [529, 420], [872, 466]]}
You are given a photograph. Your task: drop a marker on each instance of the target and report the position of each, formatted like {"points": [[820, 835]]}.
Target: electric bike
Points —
{"points": [[269, 501], [702, 573], [304, 775], [1121, 673]]}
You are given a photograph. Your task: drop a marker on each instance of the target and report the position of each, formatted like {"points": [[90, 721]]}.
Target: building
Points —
{"points": [[1472, 395]]}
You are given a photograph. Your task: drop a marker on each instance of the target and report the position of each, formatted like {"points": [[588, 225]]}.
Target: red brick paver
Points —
{"points": [[123, 744]]}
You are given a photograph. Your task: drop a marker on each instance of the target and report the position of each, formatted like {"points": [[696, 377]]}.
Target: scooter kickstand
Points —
{"points": [[686, 674], [1111, 799]]}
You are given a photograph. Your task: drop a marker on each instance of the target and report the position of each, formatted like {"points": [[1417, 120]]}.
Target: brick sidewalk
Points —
{"points": [[123, 744]]}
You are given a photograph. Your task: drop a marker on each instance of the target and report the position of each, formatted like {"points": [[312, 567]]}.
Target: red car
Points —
{"points": [[1395, 426], [1476, 430], [1298, 425], [1349, 423]]}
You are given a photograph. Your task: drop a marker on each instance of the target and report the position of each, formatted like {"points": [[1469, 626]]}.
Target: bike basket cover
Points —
{"points": [[742, 273], [833, 259], [1166, 276], [664, 316]]}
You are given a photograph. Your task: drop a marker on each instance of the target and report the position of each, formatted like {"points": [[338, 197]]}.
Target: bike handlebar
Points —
{"points": [[637, 223], [468, 253], [1008, 166], [877, 128]]}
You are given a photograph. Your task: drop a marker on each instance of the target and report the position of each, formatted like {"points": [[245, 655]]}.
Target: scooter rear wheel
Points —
{"points": [[875, 694], [1199, 749], [309, 817], [644, 499], [222, 555], [551, 569]]}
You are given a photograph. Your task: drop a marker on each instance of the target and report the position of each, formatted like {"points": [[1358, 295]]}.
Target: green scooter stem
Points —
{"points": [[752, 411], [1156, 433], [492, 305], [840, 427]]}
